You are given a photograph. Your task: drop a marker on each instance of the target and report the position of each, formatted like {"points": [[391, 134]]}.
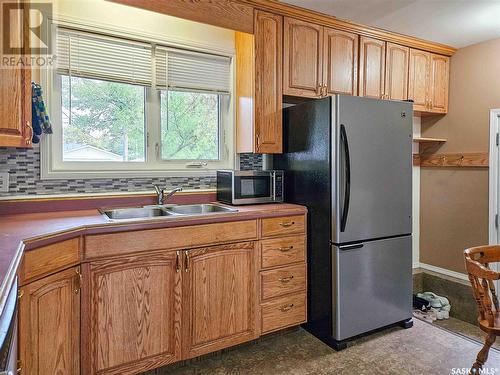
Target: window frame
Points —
{"points": [[53, 166]]}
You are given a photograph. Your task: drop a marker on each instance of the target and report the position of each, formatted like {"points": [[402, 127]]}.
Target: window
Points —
{"points": [[130, 108]]}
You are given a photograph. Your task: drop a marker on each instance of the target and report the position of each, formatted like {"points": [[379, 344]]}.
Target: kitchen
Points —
{"points": [[244, 186]]}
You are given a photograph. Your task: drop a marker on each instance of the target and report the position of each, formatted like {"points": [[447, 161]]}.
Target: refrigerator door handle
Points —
{"points": [[347, 179], [351, 247]]}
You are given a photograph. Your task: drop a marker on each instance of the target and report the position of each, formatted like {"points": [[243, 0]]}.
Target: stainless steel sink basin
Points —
{"points": [[136, 213], [155, 212], [200, 209]]}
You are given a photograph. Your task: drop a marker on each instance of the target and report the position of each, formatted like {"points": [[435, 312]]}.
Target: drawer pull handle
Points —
{"points": [[285, 249], [286, 279], [285, 308], [287, 224]]}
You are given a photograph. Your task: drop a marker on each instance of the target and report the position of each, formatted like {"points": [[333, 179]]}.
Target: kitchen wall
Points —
{"points": [[24, 165], [454, 202]]}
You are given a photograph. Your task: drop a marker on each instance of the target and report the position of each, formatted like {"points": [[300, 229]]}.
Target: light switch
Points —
{"points": [[4, 182]]}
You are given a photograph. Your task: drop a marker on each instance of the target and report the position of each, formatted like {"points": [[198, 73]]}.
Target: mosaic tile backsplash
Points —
{"points": [[23, 166]]}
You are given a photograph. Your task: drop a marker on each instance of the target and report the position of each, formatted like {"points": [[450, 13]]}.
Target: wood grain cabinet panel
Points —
{"points": [[281, 281], [396, 72], [15, 94], [303, 58], [340, 66], [440, 67], [282, 226], [220, 302], [49, 259], [372, 68], [134, 313], [284, 312], [49, 325], [268, 83], [282, 251], [419, 77]]}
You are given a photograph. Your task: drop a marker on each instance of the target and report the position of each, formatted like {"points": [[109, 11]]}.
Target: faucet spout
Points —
{"points": [[163, 196]]}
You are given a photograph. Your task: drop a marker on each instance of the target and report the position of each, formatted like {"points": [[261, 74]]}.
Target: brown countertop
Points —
{"points": [[19, 233]]}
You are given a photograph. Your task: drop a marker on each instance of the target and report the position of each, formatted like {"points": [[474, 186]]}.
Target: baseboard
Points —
{"points": [[444, 271]]}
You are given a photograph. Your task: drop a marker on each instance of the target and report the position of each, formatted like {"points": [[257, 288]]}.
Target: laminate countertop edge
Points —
{"points": [[102, 226]]}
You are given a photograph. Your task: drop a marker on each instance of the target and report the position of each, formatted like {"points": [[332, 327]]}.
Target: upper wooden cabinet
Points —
{"points": [[134, 306], [396, 72], [220, 301], [15, 95], [49, 323], [428, 81], [259, 89], [303, 58], [419, 82], [371, 68], [318, 60], [440, 70], [340, 65]]}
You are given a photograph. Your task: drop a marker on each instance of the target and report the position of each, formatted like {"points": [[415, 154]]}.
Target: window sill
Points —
{"points": [[107, 174]]}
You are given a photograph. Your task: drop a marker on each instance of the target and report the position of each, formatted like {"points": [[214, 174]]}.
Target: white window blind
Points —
{"points": [[95, 56], [186, 70]]}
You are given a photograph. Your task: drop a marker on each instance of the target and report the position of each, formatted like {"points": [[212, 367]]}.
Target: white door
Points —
{"points": [[494, 183]]}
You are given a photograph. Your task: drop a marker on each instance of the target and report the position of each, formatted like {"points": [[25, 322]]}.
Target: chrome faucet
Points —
{"points": [[163, 195]]}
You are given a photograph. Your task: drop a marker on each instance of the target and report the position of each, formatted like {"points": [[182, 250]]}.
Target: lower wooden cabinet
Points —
{"points": [[134, 311], [220, 301], [49, 325]]}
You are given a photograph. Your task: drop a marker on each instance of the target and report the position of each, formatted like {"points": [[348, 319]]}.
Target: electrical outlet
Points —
{"points": [[4, 182]]}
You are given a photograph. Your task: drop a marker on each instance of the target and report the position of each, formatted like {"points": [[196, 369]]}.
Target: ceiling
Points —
{"points": [[457, 23]]}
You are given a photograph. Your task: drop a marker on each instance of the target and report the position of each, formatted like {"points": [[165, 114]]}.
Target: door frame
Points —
{"points": [[494, 183]]}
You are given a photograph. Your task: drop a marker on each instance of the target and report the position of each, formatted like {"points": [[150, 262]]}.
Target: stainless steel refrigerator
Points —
{"points": [[349, 160]]}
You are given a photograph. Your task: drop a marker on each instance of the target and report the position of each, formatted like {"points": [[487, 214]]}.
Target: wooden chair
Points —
{"points": [[482, 280]]}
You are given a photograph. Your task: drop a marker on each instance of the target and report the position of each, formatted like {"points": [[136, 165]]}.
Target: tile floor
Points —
{"points": [[423, 349]]}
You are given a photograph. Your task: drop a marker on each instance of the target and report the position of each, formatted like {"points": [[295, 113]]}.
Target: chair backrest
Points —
{"points": [[477, 260]]}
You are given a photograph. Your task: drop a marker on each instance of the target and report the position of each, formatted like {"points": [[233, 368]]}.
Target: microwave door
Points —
{"points": [[253, 189]]}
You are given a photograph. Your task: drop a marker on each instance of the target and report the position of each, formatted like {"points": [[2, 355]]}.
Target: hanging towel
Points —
{"points": [[40, 118]]}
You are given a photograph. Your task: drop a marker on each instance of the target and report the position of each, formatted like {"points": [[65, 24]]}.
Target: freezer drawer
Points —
{"points": [[372, 286]]}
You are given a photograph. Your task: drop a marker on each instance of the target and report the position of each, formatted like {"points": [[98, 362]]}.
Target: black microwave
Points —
{"points": [[249, 187]]}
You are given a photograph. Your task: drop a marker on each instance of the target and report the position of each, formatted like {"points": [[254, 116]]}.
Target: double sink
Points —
{"points": [[164, 211]]}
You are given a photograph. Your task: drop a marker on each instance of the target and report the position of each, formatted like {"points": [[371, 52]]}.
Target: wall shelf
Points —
{"points": [[429, 140]]}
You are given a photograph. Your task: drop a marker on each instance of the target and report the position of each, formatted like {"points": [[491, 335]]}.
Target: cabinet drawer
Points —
{"points": [[283, 225], [283, 251], [284, 312], [49, 259], [169, 238], [275, 283]]}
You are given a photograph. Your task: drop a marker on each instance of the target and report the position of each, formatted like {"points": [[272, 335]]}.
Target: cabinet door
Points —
{"points": [[396, 72], [303, 58], [134, 313], [219, 298], [49, 324], [268, 83], [440, 67], [340, 65], [15, 94], [418, 85], [372, 68]]}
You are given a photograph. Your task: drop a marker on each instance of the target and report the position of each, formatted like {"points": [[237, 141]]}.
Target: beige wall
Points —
{"points": [[454, 202]]}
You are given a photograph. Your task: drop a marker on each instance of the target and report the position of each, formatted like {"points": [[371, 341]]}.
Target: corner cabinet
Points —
{"points": [[49, 324], [133, 319], [259, 90], [15, 97], [220, 300]]}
